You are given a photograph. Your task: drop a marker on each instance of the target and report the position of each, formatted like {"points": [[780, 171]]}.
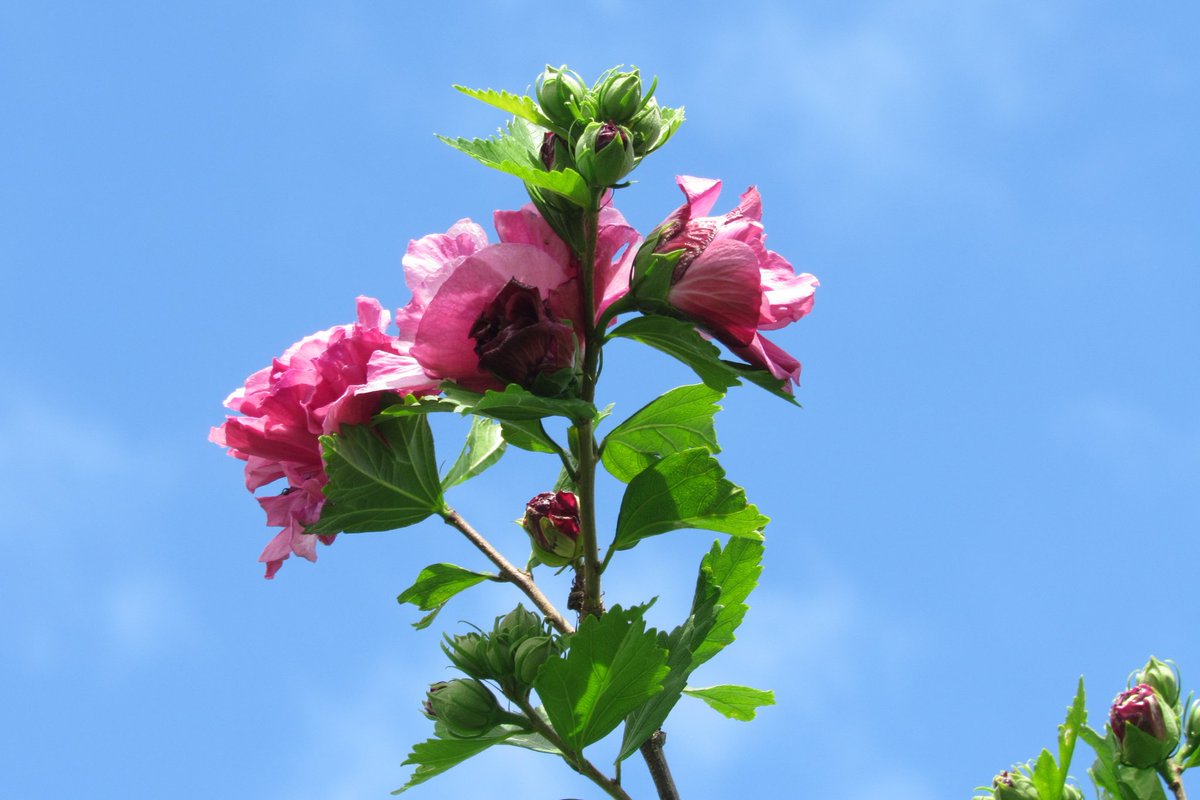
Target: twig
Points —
{"points": [[575, 760], [523, 580], [656, 762]]}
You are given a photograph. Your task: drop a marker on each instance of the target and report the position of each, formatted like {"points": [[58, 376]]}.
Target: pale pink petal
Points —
{"points": [[720, 289], [786, 296], [371, 314], [430, 259], [396, 372], [701, 194], [527, 226]]}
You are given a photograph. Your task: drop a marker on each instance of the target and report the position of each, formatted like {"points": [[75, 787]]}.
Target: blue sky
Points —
{"points": [[992, 487]]}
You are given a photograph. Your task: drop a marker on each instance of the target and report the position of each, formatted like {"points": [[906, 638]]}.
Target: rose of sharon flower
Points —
{"points": [[1156, 724], [486, 315], [310, 390], [728, 281]]}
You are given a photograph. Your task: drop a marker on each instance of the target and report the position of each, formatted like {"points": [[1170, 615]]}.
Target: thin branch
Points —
{"points": [[575, 760], [523, 580], [1171, 773]]}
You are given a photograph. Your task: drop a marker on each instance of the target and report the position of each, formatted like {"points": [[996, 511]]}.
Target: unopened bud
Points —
{"points": [[1146, 728], [469, 653], [1013, 785], [558, 92], [604, 153], [552, 522], [466, 707], [619, 96], [1160, 676], [646, 127], [530, 656]]}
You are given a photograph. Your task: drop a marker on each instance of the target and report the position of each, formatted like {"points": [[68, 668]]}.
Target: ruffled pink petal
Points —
{"points": [[764, 353], [721, 290], [527, 226], [613, 264], [786, 297], [261, 471], [371, 314], [399, 373], [701, 194], [430, 259]]}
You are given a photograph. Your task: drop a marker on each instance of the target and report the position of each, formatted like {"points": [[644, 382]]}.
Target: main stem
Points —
{"points": [[585, 484]]}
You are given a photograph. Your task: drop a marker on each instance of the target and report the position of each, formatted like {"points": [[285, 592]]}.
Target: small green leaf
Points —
{"points": [[483, 448], [678, 420], [515, 152], [680, 340], [735, 702], [434, 756], [685, 490], [436, 584], [516, 404], [381, 476], [1045, 777], [1103, 770], [528, 435], [410, 405], [613, 665], [1068, 735], [523, 107]]}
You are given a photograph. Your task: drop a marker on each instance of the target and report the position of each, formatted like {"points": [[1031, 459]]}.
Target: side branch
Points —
{"points": [[523, 580]]}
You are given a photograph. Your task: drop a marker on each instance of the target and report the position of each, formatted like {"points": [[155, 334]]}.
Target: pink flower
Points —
{"points": [[310, 390], [485, 315], [728, 281]]}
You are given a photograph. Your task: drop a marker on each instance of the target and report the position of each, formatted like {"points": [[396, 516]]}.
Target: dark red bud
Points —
{"points": [[517, 338]]}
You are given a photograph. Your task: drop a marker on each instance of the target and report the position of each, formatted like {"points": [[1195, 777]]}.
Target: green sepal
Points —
{"points": [[381, 476], [687, 489], [1139, 783], [680, 340], [483, 448], [735, 702], [436, 584], [612, 666], [517, 404], [677, 420], [518, 105]]}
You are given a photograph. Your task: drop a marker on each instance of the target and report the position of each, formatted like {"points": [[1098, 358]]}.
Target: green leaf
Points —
{"points": [[735, 571], [726, 579], [685, 490], [381, 476], [434, 756], [1103, 771], [613, 665], [484, 447], [678, 420], [523, 107], [517, 404], [1068, 735], [1139, 784], [410, 405], [528, 435], [735, 702], [436, 584], [1046, 778], [515, 152], [680, 340]]}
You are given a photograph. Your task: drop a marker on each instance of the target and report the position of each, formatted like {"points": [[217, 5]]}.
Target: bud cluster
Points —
{"points": [[510, 654], [603, 131]]}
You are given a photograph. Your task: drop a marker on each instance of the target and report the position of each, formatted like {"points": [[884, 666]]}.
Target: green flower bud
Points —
{"points": [[518, 625], [619, 96], [1161, 677], [1146, 728], [530, 656], [469, 653], [558, 91], [646, 127], [1193, 725], [604, 153], [1070, 792], [1013, 785], [466, 707]]}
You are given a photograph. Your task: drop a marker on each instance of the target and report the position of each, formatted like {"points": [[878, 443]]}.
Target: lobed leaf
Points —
{"points": [[613, 665], [434, 756], [687, 489], [517, 404], [518, 105], [381, 476], [735, 702], [678, 420]]}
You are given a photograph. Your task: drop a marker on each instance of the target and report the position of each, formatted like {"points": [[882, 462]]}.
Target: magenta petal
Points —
{"points": [[701, 194], [721, 290], [765, 354], [786, 296], [397, 372], [526, 226]]}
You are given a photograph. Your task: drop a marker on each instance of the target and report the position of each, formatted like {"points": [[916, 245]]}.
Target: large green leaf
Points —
{"points": [[518, 105], [680, 340], [687, 489], [517, 404], [515, 151], [434, 756], [735, 702], [436, 584], [381, 476], [678, 420], [727, 576], [612, 666], [483, 448]]}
